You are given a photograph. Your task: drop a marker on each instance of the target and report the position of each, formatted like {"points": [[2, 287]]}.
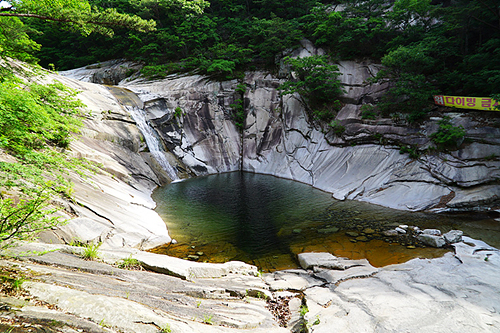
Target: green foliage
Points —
{"points": [[337, 127], [11, 280], [166, 329], [34, 120], [447, 136], [91, 251], [496, 97], [15, 42], [412, 151], [78, 15], [20, 219], [238, 107], [160, 71], [129, 263], [368, 111], [303, 310], [207, 319], [178, 112], [315, 80], [34, 116]]}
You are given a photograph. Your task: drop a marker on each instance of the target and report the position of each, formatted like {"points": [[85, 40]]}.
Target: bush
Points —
{"points": [[238, 106], [448, 136], [317, 82], [368, 112], [20, 220], [178, 112], [338, 129], [90, 252]]}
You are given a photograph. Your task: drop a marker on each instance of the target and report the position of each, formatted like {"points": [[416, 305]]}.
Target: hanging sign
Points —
{"points": [[476, 103]]}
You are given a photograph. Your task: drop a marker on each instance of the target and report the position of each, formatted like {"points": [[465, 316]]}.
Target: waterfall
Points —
{"points": [[131, 102], [152, 140]]}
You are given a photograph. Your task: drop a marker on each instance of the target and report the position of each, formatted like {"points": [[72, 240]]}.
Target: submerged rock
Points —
{"points": [[330, 230]]}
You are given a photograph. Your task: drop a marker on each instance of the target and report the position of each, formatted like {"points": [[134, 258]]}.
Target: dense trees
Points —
{"points": [[36, 120], [447, 46]]}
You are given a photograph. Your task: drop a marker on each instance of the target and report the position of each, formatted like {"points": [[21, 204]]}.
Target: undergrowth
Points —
{"points": [[37, 122]]}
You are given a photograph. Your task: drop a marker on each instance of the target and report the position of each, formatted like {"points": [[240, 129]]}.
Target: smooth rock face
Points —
{"points": [[114, 205]]}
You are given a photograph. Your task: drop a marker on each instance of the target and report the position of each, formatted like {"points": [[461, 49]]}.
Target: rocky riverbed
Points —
{"points": [[455, 293]]}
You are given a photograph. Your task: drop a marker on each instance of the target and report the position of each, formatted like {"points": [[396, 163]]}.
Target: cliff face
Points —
{"points": [[113, 205], [363, 163]]}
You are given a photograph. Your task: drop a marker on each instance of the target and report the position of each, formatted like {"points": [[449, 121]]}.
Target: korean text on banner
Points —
{"points": [[476, 103]]}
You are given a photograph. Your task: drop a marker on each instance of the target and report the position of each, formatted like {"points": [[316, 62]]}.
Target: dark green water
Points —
{"points": [[266, 221]]}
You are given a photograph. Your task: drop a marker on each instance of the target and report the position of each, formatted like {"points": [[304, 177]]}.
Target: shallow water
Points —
{"points": [[267, 221]]}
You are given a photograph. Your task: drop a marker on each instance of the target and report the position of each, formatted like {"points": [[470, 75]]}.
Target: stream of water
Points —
{"points": [[267, 221], [134, 106]]}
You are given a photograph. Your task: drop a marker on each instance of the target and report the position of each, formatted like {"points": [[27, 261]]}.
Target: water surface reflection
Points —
{"points": [[266, 221]]}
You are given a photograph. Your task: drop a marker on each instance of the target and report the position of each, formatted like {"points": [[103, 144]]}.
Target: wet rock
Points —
{"points": [[330, 230], [432, 240], [434, 232], [352, 234], [400, 230], [362, 239], [390, 233], [369, 231], [453, 236]]}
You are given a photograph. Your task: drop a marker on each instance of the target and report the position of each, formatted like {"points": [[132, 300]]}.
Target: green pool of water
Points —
{"points": [[266, 221]]}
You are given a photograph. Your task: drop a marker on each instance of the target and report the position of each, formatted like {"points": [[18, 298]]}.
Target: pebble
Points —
{"points": [[353, 240], [362, 239], [352, 234], [193, 257], [199, 253], [297, 231], [369, 231], [411, 247], [390, 233], [400, 230]]}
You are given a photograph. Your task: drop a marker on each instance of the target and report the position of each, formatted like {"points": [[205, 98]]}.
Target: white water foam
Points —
{"points": [[152, 141]]}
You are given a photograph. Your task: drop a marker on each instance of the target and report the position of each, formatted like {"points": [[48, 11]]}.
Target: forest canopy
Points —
{"points": [[452, 47], [427, 46]]}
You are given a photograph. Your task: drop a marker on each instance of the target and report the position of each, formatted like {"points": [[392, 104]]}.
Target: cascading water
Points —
{"points": [[133, 104], [152, 141]]}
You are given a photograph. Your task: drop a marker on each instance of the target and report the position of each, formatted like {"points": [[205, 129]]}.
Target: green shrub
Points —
{"points": [[368, 111], [178, 112], [238, 107], [447, 136], [337, 127], [316, 80], [129, 263], [412, 151], [90, 252]]}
